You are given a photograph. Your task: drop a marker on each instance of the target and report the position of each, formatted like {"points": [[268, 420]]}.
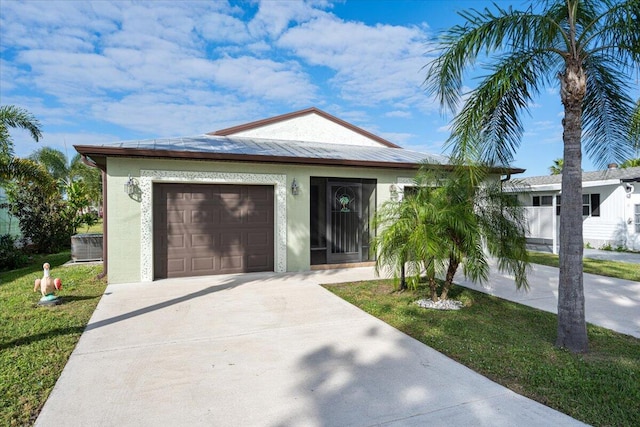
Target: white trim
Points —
{"points": [[148, 177]]}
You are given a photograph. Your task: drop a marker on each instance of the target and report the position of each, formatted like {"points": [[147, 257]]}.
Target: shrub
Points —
{"points": [[42, 216], [10, 256]]}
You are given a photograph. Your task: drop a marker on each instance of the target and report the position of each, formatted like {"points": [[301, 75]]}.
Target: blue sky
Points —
{"points": [[99, 72]]}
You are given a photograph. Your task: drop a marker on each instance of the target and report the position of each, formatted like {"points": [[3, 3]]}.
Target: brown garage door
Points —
{"points": [[212, 229]]}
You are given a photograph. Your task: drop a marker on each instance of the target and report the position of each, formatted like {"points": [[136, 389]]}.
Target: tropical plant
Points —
{"points": [[630, 163], [90, 176], [634, 128], [15, 117], [10, 166], [42, 214], [65, 173], [588, 49], [556, 168], [54, 161], [448, 222]]}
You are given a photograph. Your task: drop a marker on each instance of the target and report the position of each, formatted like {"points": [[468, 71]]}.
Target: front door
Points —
{"points": [[344, 215]]}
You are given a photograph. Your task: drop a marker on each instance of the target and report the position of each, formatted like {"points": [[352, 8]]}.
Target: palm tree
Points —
{"points": [[54, 161], [15, 117], [455, 223], [65, 173], [10, 166], [630, 163], [556, 168], [587, 48]]}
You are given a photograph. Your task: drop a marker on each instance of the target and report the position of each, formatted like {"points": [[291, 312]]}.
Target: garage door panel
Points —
{"points": [[202, 264], [202, 217], [231, 240], [176, 266], [231, 262], [176, 241], [175, 217], [258, 262], [202, 229], [202, 241], [258, 239]]}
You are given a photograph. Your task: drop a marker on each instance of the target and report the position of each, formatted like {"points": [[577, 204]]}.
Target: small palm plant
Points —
{"points": [[448, 222]]}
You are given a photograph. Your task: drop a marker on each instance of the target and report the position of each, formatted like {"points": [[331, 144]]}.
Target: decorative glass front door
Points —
{"points": [[344, 215]]}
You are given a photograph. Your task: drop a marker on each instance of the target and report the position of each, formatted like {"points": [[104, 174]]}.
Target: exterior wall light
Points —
{"points": [[295, 188], [129, 186]]}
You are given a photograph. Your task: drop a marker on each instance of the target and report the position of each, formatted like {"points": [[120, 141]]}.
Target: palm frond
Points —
{"points": [[606, 112]]}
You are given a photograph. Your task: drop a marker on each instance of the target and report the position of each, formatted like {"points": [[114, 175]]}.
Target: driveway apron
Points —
{"points": [[266, 349]]}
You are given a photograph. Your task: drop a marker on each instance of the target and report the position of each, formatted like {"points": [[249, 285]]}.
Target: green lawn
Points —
{"points": [[35, 342], [620, 270], [512, 344]]}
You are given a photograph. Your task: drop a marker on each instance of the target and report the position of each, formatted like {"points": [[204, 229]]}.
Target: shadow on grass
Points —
{"points": [[72, 330], [34, 267]]}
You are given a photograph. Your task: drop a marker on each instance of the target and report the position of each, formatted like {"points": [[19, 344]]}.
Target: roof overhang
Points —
{"points": [[99, 154]]}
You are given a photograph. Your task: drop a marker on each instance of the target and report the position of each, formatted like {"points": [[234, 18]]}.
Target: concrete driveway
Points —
{"points": [[266, 350]]}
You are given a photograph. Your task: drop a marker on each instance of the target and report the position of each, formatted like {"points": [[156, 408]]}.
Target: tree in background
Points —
{"points": [[587, 48], [556, 168], [10, 166], [67, 173], [634, 135], [15, 117], [447, 222]]}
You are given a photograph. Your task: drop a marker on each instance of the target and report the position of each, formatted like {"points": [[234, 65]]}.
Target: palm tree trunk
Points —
{"points": [[448, 281], [572, 331], [403, 279], [431, 279]]}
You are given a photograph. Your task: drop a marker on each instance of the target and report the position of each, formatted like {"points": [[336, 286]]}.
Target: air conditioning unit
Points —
{"points": [[86, 247]]}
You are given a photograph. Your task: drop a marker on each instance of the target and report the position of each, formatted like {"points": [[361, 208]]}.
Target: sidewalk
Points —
{"points": [[610, 303]]}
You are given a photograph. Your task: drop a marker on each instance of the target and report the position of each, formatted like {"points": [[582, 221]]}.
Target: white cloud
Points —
{"points": [[400, 114], [182, 68], [372, 64], [274, 17]]}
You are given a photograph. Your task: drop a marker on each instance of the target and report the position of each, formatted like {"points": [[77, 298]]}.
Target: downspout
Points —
{"points": [[103, 174]]}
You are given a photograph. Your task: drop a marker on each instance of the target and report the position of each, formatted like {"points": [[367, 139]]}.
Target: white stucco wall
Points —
{"points": [[310, 127]]}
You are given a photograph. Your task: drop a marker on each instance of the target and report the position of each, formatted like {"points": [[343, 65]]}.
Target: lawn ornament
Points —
{"points": [[48, 287]]}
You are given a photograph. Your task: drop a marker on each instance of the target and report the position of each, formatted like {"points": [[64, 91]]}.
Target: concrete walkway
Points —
{"points": [[611, 303], [266, 350]]}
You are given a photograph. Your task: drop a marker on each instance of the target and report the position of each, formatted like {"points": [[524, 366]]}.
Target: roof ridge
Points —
{"points": [[282, 117]]}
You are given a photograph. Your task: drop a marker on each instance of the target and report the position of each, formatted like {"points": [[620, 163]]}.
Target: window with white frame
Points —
{"points": [[637, 207]]}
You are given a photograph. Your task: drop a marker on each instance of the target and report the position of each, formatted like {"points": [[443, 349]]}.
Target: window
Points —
{"points": [[637, 207], [542, 200], [590, 205]]}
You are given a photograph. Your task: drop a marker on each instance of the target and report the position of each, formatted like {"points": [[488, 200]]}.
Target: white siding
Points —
{"points": [[310, 127], [614, 227]]}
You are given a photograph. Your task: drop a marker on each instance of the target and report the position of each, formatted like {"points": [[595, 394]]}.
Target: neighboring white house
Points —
{"points": [[610, 210]]}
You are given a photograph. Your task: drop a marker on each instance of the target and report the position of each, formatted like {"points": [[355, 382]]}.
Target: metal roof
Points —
{"points": [[619, 174], [234, 148]]}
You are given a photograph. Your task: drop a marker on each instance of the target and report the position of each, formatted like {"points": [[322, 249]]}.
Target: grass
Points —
{"points": [[621, 270], [35, 342], [513, 345], [95, 228]]}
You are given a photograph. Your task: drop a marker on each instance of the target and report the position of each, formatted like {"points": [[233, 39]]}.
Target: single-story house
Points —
{"points": [[289, 193], [610, 210]]}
